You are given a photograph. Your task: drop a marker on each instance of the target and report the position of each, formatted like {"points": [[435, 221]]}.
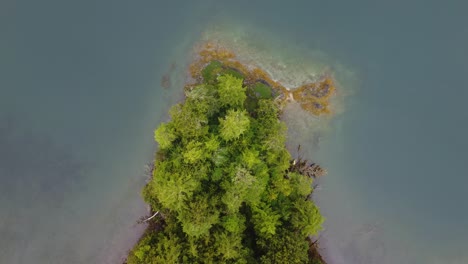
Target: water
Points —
{"points": [[80, 95]]}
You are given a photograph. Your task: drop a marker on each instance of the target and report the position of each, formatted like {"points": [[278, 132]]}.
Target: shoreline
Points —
{"points": [[313, 97]]}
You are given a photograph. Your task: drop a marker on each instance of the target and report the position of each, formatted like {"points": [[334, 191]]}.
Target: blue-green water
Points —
{"points": [[80, 94]]}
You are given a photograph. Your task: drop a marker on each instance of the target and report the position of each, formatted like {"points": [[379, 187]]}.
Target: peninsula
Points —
{"points": [[224, 188]]}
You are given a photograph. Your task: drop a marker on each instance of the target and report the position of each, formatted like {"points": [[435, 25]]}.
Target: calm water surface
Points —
{"points": [[80, 94]]}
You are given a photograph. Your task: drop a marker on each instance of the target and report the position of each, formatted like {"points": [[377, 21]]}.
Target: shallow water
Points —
{"points": [[81, 93]]}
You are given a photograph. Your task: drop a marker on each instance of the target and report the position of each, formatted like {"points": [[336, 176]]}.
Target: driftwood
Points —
{"points": [[305, 168], [145, 219], [151, 217], [308, 169]]}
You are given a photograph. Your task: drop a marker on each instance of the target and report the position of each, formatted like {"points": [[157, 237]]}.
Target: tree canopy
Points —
{"points": [[222, 185]]}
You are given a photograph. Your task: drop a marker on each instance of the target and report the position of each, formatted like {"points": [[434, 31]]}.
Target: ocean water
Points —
{"points": [[80, 93]]}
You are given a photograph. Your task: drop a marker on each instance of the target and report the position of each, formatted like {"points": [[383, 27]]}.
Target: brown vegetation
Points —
{"points": [[313, 97]]}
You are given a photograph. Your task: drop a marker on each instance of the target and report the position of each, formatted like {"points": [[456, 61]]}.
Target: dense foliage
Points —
{"points": [[222, 184]]}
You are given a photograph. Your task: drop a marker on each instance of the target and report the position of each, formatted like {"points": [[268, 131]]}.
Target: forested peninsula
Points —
{"points": [[223, 187]]}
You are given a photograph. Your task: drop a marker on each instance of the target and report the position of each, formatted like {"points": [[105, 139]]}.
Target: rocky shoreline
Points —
{"points": [[313, 97]]}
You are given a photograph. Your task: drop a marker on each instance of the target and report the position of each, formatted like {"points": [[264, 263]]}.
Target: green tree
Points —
{"points": [[306, 218], [194, 152], [234, 124], [233, 200], [172, 189], [250, 157], [203, 99], [188, 123], [231, 92], [157, 249], [234, 223], [222, 182], [285, 247], [265, 220], [168, 251], [228, 245], [197, 217], [302, 184], [164, 135]]}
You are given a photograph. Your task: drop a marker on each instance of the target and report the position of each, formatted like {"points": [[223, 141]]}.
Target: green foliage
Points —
{"points": [[262, 90], [265, 220], [285, 247], [210, 72], [197, 217], [194, 152], [142, 252], [250, 157], [203, 100], [306, 218], [234, 223], [164, 136], [175, 190], [188, 123], [231, 92], [302, 184], [234, 124], [229, 245], [215, 69], [212, 144], [221, 182], [229, 71], [157, 249]]}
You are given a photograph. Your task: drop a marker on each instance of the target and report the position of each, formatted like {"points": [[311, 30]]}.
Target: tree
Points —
{"points": [[228, 245], [233, 200], [234, 124], [170, 188], [302, 184], [194, 152], [265, 220], [164, 135], [212, 143], [197, 217], [187, 123], [234, 223], [166, 250], [230, 90], [223, 184], [285, 247], [306, 217], [203, 99], [250, 157]]}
